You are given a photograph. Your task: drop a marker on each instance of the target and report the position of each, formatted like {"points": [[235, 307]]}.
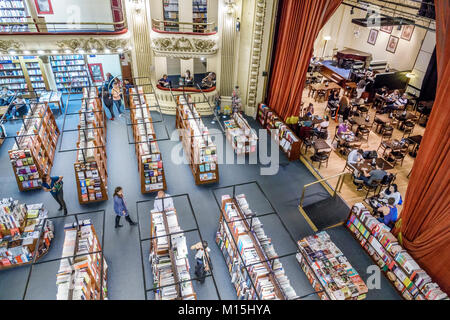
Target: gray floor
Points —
{"points": [[122, 246]]}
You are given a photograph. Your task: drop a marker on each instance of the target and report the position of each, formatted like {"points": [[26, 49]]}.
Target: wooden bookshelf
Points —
{"points": [[409, 280], [331, 275], [18, 245], [199, 149], [70, 69], [170, 13], [13, 11], [241, 136], [289, 143], [81, 277], [199, 14], [169, 258], [269, 278], [148, 155], [90, 166], [32, 155]]}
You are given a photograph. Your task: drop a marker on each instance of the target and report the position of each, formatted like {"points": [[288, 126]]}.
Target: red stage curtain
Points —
{"points": [[300, 23], [424, 227]]}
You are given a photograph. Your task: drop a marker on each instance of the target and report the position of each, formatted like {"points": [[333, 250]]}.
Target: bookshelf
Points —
{"points": [[199, 149], [150, 163], [287, 140], [199, 14], [80, 275], [34, 150], [241, 136], [24, 232], [22, 74], [409, 280], [170, 13], [169, 258], [13, 11], [35, 73], [319, 255], [249, 254], [90, 166], [68, 68]]}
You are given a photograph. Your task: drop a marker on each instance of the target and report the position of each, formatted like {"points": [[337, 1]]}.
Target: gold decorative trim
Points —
{"points": [[185, 47], [91, 43], [6, 45]]}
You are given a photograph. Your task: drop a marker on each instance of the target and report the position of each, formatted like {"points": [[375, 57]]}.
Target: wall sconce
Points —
{"points": [[410, 75]]}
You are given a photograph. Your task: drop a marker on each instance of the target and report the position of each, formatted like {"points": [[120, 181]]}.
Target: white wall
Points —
{"points": [[343, 35], [423, 59], [80, 11], [110, 63]]}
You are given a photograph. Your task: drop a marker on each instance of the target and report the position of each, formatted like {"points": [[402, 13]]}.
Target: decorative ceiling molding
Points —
{"points": [[6, 45], [91, 43], [183, 46]]}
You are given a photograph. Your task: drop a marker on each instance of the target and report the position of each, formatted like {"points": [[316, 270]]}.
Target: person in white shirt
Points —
{"points": [[400, 103], [203, 263], [353, 158], [163, 202], [392, 192]]}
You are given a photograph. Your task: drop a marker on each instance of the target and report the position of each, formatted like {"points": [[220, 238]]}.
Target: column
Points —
{"points": [[49, 75], [227, 12], [34, 16], [185, 15], [139, 26]]}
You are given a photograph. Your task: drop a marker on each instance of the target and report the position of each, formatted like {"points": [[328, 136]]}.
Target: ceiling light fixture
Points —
{"points": [[107, 50], [120, 50], [54, 51], [94, 51], [67, 51], [26, 52], [12, 52], [40, 52]]}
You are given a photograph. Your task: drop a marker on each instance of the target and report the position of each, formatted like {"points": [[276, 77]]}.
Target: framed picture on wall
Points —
{"points": [[96, 70], [373, 35], [387, 29], [407, 32], [44, 6], [392, 44]]}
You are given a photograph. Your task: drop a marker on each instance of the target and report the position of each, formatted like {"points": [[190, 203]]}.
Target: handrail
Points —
{"points": [[159, 25], [338, 185]]}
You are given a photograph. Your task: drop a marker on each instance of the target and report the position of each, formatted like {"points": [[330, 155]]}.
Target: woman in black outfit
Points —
{"points": [[109, 103]]}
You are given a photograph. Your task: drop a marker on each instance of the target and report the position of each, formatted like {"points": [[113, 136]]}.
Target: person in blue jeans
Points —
{"points": [[120, 208], [54, 185], [388, 214]]}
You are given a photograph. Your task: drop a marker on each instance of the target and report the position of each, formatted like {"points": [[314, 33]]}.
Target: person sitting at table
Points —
{"points": [[344, 107], [380, 96], [344, 127], [322, 129], [208, 81], [392, 192], [389, 213], [19, 107], [393, 97], [310, 110], [361, 87], [374, 175], [188, 80], [6, 96], [333, 101], [400, 103], [355, 156], [164, 81]]}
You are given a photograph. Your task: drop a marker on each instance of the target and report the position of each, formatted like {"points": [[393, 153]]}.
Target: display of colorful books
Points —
{"points": [[169, 258], [32, 154], [410, 281], [24, 230], [241, 136], [80, 277], [70, 70], [150, 163], [244, 246], [334, 272], [198, 146]]}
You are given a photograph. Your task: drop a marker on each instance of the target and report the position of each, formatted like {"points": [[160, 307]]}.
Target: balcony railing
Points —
{"points": [[31, 26], [184, 27]]}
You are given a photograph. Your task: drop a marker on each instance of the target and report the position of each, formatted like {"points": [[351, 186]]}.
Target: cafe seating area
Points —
{"points": [[394, 138]]}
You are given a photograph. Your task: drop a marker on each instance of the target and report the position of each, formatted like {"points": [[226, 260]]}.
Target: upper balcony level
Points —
{"points": [[176, 27]]}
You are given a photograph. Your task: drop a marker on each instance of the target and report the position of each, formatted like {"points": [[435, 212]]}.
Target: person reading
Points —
{"points": [[164, 81], [392, 192], [355, 156], [188, 80], [19, 107], [388, 214], [163, 202]]}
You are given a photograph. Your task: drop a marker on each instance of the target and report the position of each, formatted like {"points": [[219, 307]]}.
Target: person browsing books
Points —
{"points": [[109, 103], [117, 96], [389, 213], [120, 208], [163, 202], [203, 263], [54, 185]]}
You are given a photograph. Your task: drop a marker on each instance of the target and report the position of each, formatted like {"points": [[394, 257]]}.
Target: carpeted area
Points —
{"points": [[122, 246]]}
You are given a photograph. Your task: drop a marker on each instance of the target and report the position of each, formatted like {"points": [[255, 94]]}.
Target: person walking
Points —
{"points": [[120, 208], [203, 263], [54, 185], [109, 103], [117, 96]]}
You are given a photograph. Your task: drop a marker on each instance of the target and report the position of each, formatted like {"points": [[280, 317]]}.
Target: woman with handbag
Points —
{"points": [[120, 208], [203, 263], [54, 185]]}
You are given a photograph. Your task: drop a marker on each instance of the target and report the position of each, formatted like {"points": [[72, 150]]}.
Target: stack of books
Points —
{"points": [[80, 277], [169, 258], [23, 231], [335, 274], [241, 246], [411, 282], [242, 137]]}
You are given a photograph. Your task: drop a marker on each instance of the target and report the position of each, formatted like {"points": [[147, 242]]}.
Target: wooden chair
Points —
{"points": [[386, 132], [348, 167], [320, 97], [364, 110], [372, 187], [398, 156], [321, 157], [408, 128], [363, 132], [383, 147], [387, 181]]}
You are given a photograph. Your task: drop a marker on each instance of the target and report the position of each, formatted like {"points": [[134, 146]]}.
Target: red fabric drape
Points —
{"points": [[424, 227], [300, 23]]}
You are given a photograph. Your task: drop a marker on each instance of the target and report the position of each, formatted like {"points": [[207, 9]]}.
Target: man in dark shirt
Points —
{"points": [[108, 82], [54, 185], [164, 81], [374, 175]]}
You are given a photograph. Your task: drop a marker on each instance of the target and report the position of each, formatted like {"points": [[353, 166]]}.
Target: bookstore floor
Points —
{"points": [[122, 247]]}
